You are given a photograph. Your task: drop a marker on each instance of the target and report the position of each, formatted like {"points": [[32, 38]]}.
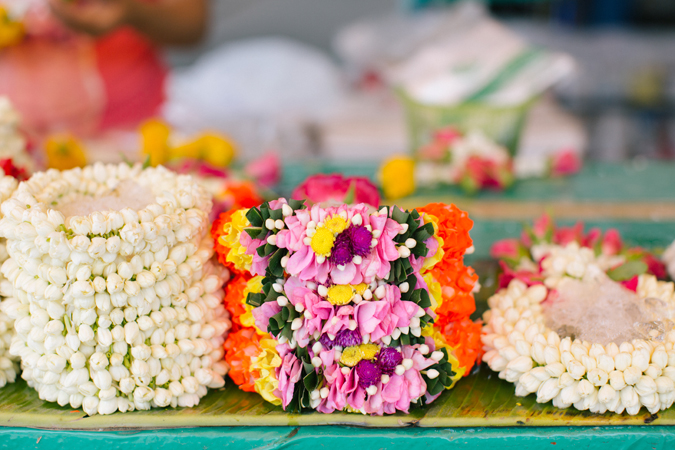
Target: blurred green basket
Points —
{"points": [[503, 124]]}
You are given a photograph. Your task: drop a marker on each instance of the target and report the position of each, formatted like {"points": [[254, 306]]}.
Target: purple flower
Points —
{"points": [[348, 338], [361, 239], [342, 249], [368, 372], [388, 359], [326, 342]]}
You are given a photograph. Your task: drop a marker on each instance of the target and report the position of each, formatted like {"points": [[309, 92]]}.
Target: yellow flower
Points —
{"points": [[263, 368], [64, 152], [230, 239], [440, 343], [340, 294], [398, 177], [322, 241], [210, 147], [11, 31], [360, 288], [429, 263], [155, 141], [336, 224], [254, 285], [435, 290], [351, 356], [369, 351]]}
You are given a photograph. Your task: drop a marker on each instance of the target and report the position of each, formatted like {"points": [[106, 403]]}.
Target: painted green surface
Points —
{"points": [[625, 182], [336, 438]]}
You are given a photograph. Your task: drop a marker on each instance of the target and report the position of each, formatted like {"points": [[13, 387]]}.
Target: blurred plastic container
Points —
{"points": [[503, 124]]}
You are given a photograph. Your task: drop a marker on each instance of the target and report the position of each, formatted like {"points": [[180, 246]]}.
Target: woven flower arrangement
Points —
{"points": [[8, 365], [341, 308], [528, 343], [119, 305]]}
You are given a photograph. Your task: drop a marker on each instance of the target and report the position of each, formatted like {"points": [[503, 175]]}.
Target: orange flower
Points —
{"points": [[457, 283], [454, 226], [240, 347], [464, 337], [244, 194], [234, 301]]}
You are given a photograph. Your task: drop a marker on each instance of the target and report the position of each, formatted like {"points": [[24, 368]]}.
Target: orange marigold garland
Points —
{"points": [[240, 347], [457, 284], [246, 347]]}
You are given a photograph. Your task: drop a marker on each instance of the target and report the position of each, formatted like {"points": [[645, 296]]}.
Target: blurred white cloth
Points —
{"points": [[267, 83]]}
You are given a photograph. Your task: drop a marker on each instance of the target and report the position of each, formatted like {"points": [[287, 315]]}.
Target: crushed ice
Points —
{"points": [[603, 311]]}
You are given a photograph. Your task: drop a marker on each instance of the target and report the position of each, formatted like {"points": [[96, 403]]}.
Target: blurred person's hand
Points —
{"points": [[164, 21], [94, 17]]}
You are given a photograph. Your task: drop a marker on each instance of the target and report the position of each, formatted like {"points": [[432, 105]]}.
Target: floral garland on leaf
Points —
{"points": [[9, 366], [621, 374], [343, 311], [116, 310]]}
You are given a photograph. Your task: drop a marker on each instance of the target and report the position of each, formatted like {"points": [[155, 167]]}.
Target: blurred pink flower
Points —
{"points": [[565, 162], [565, 235], [334, 188], [611, 242], [447, 135], [506, 248], [265, 170]]}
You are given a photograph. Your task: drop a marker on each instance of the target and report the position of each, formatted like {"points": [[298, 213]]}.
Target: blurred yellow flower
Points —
{"points": [[263, 368], [64, 152], [254, 285], [11, 31], [397, 175], [155, 141], [210, 147], [230, 239]]}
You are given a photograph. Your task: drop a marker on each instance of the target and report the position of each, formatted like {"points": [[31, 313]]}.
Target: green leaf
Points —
{"points": [[627, 270], [254, 299], [351, 194], [297, 204], [254, 217]]}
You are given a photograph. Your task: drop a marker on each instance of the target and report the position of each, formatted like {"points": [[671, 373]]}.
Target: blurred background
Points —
{"points": [[620, 93], [354, 79]]}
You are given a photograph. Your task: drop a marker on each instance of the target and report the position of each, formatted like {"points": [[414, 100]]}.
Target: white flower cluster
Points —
{"points": [[12, 143], [573, 261], [8, 366], [117, 310], [570, 372]]}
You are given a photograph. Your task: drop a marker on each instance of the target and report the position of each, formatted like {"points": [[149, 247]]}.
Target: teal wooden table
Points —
{"points": [[481, 412]]}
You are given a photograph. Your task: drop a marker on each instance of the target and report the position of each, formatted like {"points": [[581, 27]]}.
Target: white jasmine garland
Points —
{"points": [[588, 376], [108, 316], [8, 364]]}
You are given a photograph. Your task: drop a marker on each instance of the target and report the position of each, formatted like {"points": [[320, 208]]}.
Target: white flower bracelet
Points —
{"points": [[115, 310], [569, 372], [8, 365]]}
